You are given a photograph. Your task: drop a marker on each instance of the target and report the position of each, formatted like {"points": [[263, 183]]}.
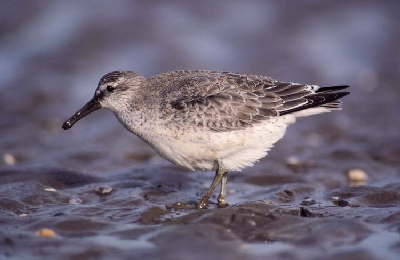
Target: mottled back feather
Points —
{"points": [[223, 101]]}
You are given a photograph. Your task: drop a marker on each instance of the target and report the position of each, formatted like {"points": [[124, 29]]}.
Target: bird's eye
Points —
{"points": [[110, 88]]}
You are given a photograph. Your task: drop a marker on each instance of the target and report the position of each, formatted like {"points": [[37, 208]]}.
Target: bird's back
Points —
{"points": [[224, 101]]}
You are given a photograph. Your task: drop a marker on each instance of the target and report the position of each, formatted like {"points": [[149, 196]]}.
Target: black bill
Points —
{"points": [[90, 106]]}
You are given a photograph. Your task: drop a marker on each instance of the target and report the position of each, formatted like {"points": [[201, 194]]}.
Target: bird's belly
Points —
{"points": [[199, 149]]}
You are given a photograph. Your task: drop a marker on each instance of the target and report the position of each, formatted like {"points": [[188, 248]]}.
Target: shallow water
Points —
{"points": [[53, 54]]}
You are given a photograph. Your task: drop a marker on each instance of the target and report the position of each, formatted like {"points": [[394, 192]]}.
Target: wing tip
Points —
{"points": [[320, 98], [332, 89]]}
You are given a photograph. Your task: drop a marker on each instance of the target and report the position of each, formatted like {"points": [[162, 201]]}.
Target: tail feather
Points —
{"points": [[323, 97], [331, 89]]}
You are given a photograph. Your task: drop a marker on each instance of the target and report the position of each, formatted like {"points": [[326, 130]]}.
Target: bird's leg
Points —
{"points": [[222, 195], [219, 175]]}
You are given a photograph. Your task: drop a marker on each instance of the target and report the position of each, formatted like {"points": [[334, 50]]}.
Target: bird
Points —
{"points": [[208, 120]]}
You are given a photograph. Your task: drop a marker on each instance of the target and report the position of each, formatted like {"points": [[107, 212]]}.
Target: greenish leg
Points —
{"points": [[222, 195], [221, 175]]}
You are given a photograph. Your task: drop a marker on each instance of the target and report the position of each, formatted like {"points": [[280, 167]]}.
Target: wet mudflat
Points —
{"points": [[330, 189]]}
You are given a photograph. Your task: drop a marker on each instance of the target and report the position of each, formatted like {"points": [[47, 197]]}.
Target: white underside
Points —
{"points": [[311, 111], [199, 149]]}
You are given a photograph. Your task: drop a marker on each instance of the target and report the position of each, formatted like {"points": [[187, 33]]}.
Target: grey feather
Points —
{"points": [[223, 101]]}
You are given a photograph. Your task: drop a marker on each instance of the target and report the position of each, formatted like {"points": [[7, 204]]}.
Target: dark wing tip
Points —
{"points": [[317, 99], [342, 94], [332, 88]]}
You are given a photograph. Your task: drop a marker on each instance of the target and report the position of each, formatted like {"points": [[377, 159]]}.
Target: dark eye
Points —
{"points": [[110, 88]]}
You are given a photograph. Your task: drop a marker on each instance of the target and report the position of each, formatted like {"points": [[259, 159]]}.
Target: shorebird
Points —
{"points": [[208, 120]]}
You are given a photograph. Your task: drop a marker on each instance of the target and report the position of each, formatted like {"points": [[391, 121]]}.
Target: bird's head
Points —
{"points": [[112, 93]]}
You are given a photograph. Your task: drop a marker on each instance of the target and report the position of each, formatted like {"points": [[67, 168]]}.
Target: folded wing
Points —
{"points": [[223, 101]]}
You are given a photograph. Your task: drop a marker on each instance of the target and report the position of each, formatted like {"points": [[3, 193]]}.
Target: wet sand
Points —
{"points": [[330, 189]]}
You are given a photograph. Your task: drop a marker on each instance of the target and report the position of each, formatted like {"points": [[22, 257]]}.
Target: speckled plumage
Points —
{"points": [[223, 101], [208, 119]]}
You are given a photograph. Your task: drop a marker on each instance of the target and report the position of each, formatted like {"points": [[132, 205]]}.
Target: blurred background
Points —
{"points": [[52, 55], [54, 52]]}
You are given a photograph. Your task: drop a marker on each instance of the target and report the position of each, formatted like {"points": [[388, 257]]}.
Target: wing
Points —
{"points": [[223, 101]]}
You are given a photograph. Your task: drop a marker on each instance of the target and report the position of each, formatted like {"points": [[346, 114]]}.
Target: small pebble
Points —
{"points": [[75, 201], [293, 161], [50, 189], [339, 201], [297, 165], [45, 232], [103, 190], [23, 215], [335, 198], [356, 175], [269, 202], [250, 222], [308, 201], [9, 159]]}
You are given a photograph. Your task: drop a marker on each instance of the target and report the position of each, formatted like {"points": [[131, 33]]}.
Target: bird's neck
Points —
{"points": [[138, 121]]}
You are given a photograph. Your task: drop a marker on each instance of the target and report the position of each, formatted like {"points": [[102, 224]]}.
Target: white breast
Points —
{"points": [[199, 149]]}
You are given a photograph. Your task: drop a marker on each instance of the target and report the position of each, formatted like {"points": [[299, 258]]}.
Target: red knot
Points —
{"points": [[208, 120]]}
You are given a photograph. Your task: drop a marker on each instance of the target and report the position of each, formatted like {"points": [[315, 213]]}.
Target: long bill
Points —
{"points": [[90, 106]]}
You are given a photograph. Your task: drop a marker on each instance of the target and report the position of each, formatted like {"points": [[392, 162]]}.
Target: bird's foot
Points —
{"points": [[222, 202], [203, 203]]}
